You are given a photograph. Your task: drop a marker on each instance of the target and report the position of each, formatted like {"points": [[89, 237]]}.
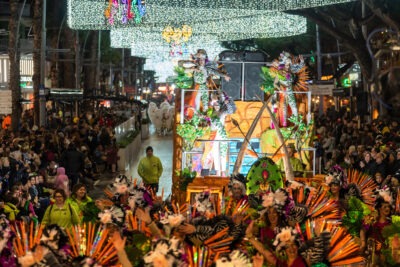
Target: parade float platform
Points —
{"points": [[215, 186], [263, 134]]}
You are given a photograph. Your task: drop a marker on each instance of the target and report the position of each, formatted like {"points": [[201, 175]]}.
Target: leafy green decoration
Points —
{"points": [[137, 246], [90, 213], [302, 130], [388, 233], [193, 129], [267, 80], [354, 216], [185, 178], [183, 80]]}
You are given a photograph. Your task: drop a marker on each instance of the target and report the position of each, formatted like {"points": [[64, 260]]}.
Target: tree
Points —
{"points": [[347, 24], [37, 23], [14, 56]]}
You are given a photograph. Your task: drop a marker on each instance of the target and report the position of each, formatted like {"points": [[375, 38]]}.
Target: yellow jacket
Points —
{"points": [[150, 169]]}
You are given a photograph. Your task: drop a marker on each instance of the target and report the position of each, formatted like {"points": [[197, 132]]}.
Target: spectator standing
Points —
{"points": [[73, 161], [62, 181], [150, 169], [61, 212]]}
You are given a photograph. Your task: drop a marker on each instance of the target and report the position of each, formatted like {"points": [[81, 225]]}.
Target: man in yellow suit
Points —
{"points": [[150, 169], [297, 166]]}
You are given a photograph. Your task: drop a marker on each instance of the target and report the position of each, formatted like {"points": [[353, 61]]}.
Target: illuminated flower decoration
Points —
{"points": [[177, 38], [167, 34], [186, 33], [285, 236]]}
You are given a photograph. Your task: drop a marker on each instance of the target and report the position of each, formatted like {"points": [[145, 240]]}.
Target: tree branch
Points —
{"points": [[333, 16], [384, 17], [367, 19], [326, 26]]}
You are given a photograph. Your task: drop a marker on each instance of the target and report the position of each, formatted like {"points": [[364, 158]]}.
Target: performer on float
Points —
{"points": [[215, 152], [289, 74], [202, 69]]}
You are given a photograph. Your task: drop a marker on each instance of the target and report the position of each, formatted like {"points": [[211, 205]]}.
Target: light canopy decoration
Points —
{"points": [[124, 11], [265, 26], [89, 14]]}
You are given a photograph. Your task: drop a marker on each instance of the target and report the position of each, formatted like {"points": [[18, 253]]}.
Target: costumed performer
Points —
{"points": [[202, 69], [216, 152]]}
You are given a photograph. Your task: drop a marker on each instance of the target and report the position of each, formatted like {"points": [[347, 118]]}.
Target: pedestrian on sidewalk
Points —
{"points": [[150, 169]]}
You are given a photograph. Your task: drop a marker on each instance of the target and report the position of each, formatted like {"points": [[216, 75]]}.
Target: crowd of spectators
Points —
{"points": [[35, 161], [371, 147]]}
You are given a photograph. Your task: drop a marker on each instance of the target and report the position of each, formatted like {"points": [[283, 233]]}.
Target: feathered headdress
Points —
{"points": [[384, 195], [114, 215], [171, 221], [308, 202], [277, 200], [238, 179], [53, 237], [362, 186], [335, 176], [121, 184], [139, 197], [235, 259], [203, 203], [165, 253]]}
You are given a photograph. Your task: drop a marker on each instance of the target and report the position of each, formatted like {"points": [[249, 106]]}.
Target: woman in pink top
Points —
{"points": [[62, 181]]}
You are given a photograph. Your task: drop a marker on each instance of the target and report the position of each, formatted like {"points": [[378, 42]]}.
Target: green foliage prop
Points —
{"points": [[183, 80], [268, 81], [138, 246], [90, 213], [193, 129], [353, 220], [185, 178]]}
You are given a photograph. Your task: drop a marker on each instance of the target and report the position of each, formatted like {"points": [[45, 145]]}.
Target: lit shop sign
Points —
{"points": [[26, 82]]}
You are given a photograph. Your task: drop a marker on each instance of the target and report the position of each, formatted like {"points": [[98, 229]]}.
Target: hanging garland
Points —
{"points": [[125, 10], [200, 125], [193, 129]]}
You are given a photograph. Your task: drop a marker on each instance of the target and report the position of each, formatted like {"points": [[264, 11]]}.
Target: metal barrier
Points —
{"points": [[124, 128]]}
